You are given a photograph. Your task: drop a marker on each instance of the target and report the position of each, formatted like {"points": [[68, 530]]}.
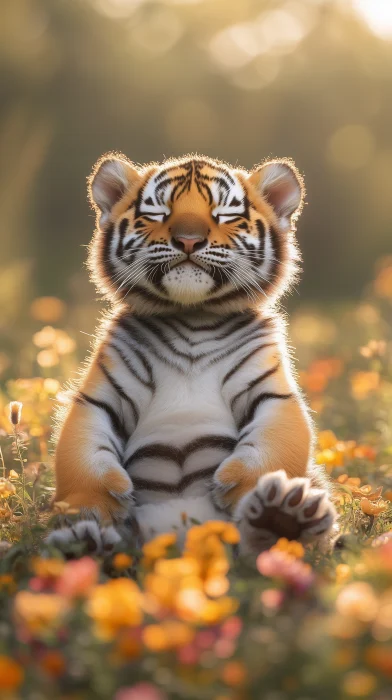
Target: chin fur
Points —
{"points": [[187, 284]]}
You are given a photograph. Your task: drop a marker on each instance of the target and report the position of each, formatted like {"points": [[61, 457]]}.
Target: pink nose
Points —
{"points": [[189, 243]]}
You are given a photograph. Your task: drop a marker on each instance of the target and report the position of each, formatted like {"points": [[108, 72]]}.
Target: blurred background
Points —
{"points": [[237, 80]]}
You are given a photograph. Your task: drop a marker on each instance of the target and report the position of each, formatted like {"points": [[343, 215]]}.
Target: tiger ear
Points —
{"points": [[111, 178], [280, 183]]}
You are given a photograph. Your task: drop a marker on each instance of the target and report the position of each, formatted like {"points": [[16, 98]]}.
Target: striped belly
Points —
{"points": [[172, 478]]}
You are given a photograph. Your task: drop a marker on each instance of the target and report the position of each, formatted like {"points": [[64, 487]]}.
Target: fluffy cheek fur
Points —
{"points": [[187, 284]]}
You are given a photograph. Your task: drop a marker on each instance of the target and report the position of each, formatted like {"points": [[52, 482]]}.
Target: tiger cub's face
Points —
{"points": [[193, 232]]}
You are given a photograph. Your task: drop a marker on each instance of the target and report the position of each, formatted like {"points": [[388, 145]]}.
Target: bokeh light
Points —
{"points": [[351, 146], [377, 14]]}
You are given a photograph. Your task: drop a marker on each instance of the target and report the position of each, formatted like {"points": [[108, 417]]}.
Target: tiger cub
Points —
{"points": [[188, 408]]}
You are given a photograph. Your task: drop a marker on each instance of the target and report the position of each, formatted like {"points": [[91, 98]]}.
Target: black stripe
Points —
{"points": [[241, 323], [105, 448], [228, 296], [150, 296], [143, 341], [146, 364], [262, 398], [221, 441], [247, 357], [115, 448], [253, 383], [240, 345], [149, 383], [116, 423], [187, 480], [178, 454], [154, 450], [119, 390], [208, 327]]}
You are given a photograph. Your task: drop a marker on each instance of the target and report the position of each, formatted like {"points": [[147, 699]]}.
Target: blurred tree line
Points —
{"points": [[236, 80]]}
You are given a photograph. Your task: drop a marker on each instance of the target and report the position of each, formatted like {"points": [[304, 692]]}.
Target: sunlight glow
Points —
{"points": [[377, 14]]}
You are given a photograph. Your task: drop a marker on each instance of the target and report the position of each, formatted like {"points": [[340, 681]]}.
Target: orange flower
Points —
{"points": [[380, 658], [343, 573], [292, 548], [364, 383], [370, 508], [53, 663], [383, 281], [122, 561], [169, 634], [40, 613], [127, 647], [234, 673], [358, 601], [11, 674], [7, 583], [359, 684], [157, 548], [114, 606], [47, 568]]}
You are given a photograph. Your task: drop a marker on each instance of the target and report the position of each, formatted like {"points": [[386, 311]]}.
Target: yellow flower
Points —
{"points": [[327, 439], [6, 488], [13, 474], [5, 512], [115, 605], [122, 561], [292, 548], [41, 612], [169, 634], [11, 674]]}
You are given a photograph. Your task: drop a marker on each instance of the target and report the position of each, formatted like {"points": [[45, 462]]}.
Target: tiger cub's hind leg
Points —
{"points": [[282, 507]]}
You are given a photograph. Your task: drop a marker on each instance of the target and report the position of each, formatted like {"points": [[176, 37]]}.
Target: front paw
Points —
{"points": [[232, 480], [84, 537], [283, 507], [108, 499]]}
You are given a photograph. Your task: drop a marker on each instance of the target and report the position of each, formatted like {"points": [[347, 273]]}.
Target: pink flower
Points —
{"points": [[280, 565], [272, 598], [232, 627], [140, 691], [77, 578], [188, 655]]}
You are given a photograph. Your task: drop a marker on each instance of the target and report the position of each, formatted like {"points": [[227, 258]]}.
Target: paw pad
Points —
{"points": [[283, 507]]}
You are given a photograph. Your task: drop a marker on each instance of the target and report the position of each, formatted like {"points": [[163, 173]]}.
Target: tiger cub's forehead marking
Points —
{"points": [[219, 187]]}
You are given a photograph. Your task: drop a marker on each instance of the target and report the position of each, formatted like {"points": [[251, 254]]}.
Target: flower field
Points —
{"points": [[202, 623]]}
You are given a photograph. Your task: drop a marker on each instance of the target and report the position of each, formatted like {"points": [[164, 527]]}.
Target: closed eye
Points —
{"points": [[153, 215], [225, 218]]}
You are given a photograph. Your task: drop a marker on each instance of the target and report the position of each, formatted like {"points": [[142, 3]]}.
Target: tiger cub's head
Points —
{"points": [[193, 232]]}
